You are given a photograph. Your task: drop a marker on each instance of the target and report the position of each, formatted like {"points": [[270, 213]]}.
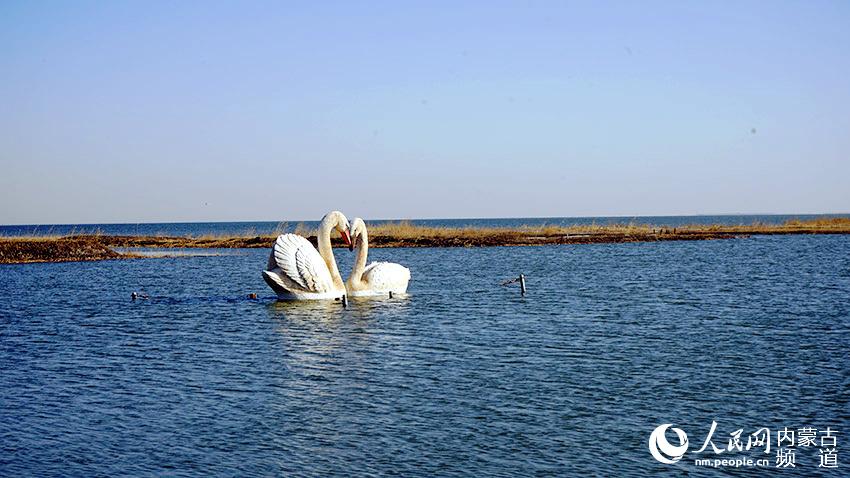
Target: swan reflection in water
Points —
{"points": [[315, 325], [322, 341], [330, 312]]}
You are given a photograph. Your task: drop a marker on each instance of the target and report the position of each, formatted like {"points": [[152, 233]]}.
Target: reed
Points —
{"points": [[406, 234], [55, 249]]}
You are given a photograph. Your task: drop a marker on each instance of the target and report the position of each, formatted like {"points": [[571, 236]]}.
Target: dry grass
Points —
{"points": [[840, 225], [55, 249], [829, 223], [405, 229]]}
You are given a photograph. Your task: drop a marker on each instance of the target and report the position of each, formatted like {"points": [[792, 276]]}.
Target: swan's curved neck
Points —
{"points": [[362, 246], [327, 252]]}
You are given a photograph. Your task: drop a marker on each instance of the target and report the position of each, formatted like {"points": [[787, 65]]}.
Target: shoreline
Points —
{"points": [[17, 250]]}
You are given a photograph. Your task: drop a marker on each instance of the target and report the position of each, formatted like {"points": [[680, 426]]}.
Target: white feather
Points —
{"points": [[378, 278], [387, 276], [299, 266]]}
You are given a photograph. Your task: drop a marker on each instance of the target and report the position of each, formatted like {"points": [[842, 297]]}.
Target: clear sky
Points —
{"points": [[195, 111]]}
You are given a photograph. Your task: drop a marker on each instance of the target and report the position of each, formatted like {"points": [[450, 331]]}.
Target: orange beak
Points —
{"points": [[347, 239]]}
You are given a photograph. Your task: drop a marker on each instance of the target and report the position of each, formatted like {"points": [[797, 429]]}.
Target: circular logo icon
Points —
{"points": [[662, 450]]}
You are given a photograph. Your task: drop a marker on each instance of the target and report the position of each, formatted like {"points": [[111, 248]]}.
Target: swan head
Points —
{"points": [[358, 230], [337, 220]]}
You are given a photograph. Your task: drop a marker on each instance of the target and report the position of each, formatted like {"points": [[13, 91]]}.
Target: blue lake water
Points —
{"points": [[462, 378], [274, 227]]}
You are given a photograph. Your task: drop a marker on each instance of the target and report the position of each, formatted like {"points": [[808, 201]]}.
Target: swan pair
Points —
{"points": [[297, 271]]}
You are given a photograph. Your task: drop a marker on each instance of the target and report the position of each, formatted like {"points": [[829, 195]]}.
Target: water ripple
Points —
{"points": [[462, 377]]}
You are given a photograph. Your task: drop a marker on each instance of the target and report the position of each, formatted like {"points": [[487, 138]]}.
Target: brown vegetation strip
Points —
{"points": [[405, 234], [65, 249]]}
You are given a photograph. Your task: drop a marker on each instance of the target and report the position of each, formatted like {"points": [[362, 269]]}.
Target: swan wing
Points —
{"points": [[387, 276], [300, 265]]}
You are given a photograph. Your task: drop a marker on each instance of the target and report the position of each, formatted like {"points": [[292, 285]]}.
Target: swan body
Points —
{"points": [[297, 271], [382, 278], [378, 278]]}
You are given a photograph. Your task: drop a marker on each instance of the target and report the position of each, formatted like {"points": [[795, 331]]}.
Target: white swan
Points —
{"points": [[297, 271], [378, 278]]}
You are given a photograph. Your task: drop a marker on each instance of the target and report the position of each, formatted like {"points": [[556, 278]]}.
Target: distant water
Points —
{"points": [[272, 227], [463, 378]]}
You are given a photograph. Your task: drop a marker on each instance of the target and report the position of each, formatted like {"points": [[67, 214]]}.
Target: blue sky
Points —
{"points": [[195, 111]]}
